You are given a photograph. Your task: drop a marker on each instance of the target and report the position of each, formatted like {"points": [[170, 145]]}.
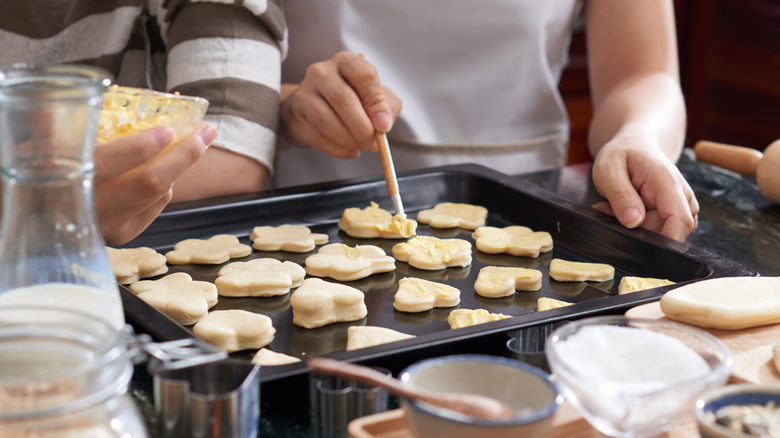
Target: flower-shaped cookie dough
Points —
{"points": [[564, 270], [259, 278], [547, 303], [515, 240], [133, 264], [417, 295], [345, 263], [317, 303], [364, 336], [431, 253], [217, 249], [450, 214], [375, 222], [290, 238], [235, 330], [177, 295], [500, 281], [460, 318]]}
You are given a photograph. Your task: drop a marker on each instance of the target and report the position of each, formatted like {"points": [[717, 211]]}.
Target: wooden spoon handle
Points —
{"points": [[364, 374], [740, 159]]}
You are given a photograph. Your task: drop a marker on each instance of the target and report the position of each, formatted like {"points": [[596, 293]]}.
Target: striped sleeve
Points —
{"points": [[230, 52]]}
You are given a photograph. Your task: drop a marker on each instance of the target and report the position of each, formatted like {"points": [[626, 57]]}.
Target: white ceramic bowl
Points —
{"points": [[523, 387], [739, 395], [635, 377]]}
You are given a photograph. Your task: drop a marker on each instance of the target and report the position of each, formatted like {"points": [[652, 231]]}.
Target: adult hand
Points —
{"points": [[644, 188], [339, 106], [134, 179]]}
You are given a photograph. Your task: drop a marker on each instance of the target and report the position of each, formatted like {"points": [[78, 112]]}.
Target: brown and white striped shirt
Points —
{"points": [[227, 51]]}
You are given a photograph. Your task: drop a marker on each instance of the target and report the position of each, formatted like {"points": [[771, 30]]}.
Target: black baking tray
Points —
{"points": [[579, 234]]}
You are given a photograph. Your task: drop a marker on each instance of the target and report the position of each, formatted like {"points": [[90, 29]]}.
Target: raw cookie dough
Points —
{"points": [[375, 222], [466, 317], [217, 249], [266, 357], [264, 277], [290, 238], [178, 296], [417, 295], [546, 303], [450, 215], [317, 303], [515, 240], [235, 330], [564, 270], [729, 303], [633, 284], [499, 281], [431, 253], [368, 336], [345, 263], [133, 264]]}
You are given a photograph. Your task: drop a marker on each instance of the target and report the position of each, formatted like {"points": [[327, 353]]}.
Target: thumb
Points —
{"points": [[625, 202]]}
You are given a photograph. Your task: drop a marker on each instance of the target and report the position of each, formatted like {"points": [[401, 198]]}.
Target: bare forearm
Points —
{"points": [[220, 172], [650, 106]]}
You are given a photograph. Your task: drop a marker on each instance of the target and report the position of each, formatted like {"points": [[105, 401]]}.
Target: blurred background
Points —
{"points": [[729, 68]]}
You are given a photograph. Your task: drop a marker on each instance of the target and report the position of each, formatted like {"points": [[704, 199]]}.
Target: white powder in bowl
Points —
{"points": [[634, 359]]}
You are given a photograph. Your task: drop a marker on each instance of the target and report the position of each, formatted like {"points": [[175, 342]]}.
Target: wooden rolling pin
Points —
{"points": [[747, 162]]}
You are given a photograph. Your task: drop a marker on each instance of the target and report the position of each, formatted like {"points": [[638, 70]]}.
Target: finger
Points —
{"points": [[322, 128], [119, 156], [144, 184], [626, 204], [678, 210]]}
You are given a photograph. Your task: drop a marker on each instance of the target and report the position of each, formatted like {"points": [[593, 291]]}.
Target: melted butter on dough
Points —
{"points": [[564, 270], [317, 303], [634, 284], [500, 281], [466, 317], [375, 222], [450, 215], [345, 263], [546, 303], [417, 295], [431, 253]]}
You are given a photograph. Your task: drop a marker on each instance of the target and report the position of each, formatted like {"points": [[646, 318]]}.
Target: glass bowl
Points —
{"points": [[127, 110], [635, 377]]}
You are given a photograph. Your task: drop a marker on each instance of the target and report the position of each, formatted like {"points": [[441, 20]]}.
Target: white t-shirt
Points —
{"points": [[478, 80]]}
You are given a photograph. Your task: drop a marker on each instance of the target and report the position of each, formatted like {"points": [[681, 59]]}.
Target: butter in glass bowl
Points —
{"points": [[127, 110]]}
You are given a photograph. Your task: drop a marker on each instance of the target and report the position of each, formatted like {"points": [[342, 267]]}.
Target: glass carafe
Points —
{"points": [[64, 374], [51, 249]]}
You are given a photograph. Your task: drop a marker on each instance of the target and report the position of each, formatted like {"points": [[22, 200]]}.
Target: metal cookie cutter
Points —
{"points": [[199, 392]]}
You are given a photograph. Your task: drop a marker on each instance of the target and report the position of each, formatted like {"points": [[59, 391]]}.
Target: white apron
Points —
{"points": [[478, 80]]}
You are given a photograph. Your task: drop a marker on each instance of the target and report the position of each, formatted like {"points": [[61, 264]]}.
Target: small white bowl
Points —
{"points": [[635, 377], [521, 386], [741, 395]]}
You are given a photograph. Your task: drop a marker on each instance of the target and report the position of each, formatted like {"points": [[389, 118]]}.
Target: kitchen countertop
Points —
{"points": [[735, 222]]}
